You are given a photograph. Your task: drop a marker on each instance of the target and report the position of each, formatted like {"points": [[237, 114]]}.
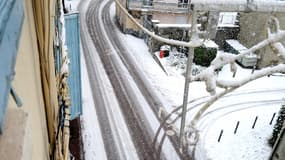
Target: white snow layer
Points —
{"points": [[249, 144], [91, 134], [119, 129], [71, 5]]}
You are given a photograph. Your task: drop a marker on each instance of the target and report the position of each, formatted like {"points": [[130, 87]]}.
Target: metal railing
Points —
{"points": [[142, 5]]}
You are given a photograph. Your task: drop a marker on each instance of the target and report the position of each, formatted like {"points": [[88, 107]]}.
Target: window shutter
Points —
{"points": [[11, 20], [74, 79]]}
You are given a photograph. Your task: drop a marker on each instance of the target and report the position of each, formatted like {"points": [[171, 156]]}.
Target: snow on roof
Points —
{"points": [[164, 25], [239, 5], [228, 25], [239, 47], [234, 43], [155, 21], [227, 19], [228, 13], [210, 44]]}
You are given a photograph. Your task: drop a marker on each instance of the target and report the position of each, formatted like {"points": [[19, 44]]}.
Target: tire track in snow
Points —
{"points": [[137, 128]]}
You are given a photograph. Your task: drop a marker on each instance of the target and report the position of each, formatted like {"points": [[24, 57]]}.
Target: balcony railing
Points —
{"points": [[143, 5]]}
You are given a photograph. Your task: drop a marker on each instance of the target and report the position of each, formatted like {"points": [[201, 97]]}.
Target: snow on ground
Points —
{"points": [[248, 143], [166, 85], [171, 86], [167, 148], [119, 129], [91, 134]]}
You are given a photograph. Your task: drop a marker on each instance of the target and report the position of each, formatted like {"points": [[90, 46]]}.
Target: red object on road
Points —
{"points": [[161, 54]]}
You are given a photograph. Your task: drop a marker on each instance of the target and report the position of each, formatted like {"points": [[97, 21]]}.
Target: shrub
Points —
{"points": [[204, 56]]}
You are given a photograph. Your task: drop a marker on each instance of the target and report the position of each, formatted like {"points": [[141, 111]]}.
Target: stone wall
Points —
{"points": [[254, 29]]}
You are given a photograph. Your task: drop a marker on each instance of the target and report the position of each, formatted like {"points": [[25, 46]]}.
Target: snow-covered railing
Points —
{"points": [[240, 5], [158, 6], [212, 82], [209, 75], [277, 47]]}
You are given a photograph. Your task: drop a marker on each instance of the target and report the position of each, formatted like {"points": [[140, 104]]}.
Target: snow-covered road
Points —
{"points": [[133, 102], [129, 90], [111, 129]]}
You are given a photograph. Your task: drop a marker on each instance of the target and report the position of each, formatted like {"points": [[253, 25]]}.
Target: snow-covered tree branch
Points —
{"points": [[258, 74], [209, 74], [210, 77], [277, 47]]}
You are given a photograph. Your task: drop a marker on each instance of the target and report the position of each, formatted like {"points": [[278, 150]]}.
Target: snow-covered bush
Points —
{"points": [[204, 56]]}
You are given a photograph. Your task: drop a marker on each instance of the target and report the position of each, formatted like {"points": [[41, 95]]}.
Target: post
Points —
{"points": [[220, 136], [236, 127], [254, 122], [272, 118], [187, 82], [186, 91]]}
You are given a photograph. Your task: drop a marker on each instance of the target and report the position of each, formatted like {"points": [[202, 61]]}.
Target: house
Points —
{"points": [[34, 93], [228, 27], [160, 16]]}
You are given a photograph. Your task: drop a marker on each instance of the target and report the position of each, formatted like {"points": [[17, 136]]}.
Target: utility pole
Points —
{"points": [[187, 81]]}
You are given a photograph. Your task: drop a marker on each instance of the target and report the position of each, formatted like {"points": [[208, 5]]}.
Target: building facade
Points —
{"points": [[161, 17]]}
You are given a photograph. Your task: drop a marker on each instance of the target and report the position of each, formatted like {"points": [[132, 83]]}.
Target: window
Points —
{"points": [[183, 3]]}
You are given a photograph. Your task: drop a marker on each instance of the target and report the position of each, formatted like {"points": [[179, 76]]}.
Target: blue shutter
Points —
{"points": [[74, 79], [11, 20], [57, 43]]}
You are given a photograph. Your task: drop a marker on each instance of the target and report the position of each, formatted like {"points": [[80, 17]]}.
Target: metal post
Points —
{"points": [[186, 91], [236, 127], [187, 82], [254, 122], [273, 116], [220, 136]]}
